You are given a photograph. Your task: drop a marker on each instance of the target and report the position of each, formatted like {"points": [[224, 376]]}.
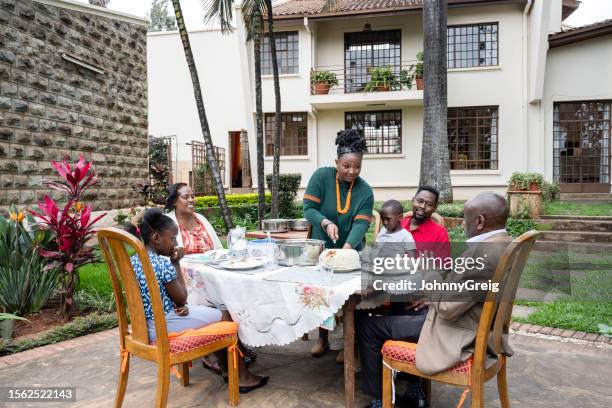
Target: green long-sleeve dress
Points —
{"points": [[320, 203]]}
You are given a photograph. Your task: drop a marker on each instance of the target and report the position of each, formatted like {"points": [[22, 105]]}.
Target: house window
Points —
{"points": [[365, 50], [287, 52], [472, 45], [294, 134], [581, 142], [472, 137], [381, 129]]}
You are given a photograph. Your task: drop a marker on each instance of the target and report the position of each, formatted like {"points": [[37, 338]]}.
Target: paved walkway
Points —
{"points": [[544, 372]]}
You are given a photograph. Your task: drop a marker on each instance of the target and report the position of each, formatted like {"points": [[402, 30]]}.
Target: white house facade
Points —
{"points": [[511, 98]]}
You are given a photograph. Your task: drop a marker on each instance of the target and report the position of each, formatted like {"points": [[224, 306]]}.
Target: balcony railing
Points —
{"points": [[340, 79]]}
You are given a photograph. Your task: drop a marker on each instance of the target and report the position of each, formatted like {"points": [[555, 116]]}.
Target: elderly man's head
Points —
{"points": [[485, 212]]}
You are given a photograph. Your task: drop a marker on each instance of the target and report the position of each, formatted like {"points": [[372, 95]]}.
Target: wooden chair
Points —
{"points": [[166, 353], [494, 321]]}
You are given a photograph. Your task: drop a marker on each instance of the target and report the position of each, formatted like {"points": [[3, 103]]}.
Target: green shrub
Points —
{"points": [[80, 326], [517, 227], [522, 181], [457, 234], [96, 301], [232, 199], [238, 211], [26, 281], [288, 185], [450, 210], [550, 191]]}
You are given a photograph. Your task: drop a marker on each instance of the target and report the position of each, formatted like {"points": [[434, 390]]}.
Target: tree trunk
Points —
{"points": [[261, 179], [435, 166], [277, 113], [197, 91]]}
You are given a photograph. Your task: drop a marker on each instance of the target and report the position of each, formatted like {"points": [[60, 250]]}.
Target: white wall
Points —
{"points": [[575, 72], [172, 108], [500, 86]]}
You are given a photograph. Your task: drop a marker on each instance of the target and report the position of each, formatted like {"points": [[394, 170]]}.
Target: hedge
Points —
{"points": [[450, 210], [232, 199]]}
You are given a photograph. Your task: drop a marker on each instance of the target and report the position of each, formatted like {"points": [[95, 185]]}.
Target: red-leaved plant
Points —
{"points": [[73, 225]]}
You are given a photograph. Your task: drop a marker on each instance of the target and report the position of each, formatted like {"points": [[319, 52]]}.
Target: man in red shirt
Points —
{"points": [[430, 237]]}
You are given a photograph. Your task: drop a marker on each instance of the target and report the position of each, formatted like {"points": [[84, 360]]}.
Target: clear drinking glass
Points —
{"points": [[236, 242]]}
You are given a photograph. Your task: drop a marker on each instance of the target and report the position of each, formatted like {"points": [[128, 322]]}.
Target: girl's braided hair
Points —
{"points": [[152, 220], [350, 141]]}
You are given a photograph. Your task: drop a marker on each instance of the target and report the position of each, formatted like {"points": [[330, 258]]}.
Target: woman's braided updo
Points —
{"points": [[350, 141]]}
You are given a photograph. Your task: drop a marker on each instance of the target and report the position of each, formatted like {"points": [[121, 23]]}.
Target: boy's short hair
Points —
{"points": [[394, 206]]}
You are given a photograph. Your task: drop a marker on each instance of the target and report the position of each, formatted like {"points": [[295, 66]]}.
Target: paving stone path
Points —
{"points": [[545, 372]]}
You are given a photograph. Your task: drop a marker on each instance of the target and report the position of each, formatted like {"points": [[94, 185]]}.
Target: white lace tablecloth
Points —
{"points": [[272, 306]]}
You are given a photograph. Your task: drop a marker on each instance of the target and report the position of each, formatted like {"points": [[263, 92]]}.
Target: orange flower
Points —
{"points": [[78, 206], [17, 217]]}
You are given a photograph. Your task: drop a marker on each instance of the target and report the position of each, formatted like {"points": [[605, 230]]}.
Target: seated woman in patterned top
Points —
{"points": [[196, 235]]}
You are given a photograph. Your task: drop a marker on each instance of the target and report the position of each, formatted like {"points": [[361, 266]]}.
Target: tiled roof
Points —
{"points": [[585, 32], [297, 8]]}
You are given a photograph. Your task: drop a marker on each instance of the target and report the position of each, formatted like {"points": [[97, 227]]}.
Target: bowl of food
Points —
{"points": [[303, 252], [275, 225]]}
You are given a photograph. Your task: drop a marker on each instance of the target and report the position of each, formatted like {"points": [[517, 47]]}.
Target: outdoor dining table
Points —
{"points": [[276, 305]]}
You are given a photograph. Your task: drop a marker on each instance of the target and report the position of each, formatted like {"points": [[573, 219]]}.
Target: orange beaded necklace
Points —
{"points": [[347, 205]]}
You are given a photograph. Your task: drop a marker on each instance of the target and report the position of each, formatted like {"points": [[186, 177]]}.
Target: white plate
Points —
{"points": [[214, 256], [241, 264], [357, 268]]}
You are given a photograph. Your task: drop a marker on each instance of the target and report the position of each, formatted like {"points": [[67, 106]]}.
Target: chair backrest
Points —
{"points": [[114, 243], [497, 309]]}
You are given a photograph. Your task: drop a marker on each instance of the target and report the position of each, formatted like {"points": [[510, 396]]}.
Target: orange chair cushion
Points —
{"points": [[194, 338], [405, 352]]}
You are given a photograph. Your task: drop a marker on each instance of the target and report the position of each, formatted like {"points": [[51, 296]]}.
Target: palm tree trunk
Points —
{"points": [[277, 112], [435, 166], [261, 181], [197, 92]]}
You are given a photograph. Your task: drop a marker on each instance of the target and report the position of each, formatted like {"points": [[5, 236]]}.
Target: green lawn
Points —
{"points": [[583, 280], [94, 277], [570, 208]]}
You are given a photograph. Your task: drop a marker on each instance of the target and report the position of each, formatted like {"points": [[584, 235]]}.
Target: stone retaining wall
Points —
{"points": [[51, 108]]}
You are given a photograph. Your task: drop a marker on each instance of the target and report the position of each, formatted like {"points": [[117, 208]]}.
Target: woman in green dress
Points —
{"points": [[338, 204]]}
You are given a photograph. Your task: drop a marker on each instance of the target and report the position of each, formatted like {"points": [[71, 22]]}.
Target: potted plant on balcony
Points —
{"points": [[417, 70], [406, 78], [322, 81], [525, 195], [381, 79]]}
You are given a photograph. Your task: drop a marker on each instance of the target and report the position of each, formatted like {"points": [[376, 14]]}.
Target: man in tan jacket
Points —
{"points": [[446, 335]]}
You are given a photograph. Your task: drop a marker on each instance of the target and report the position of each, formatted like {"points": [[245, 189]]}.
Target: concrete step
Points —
{"points": [[597, 237], [587, 197], [575, 217], [559, 246], [575, 225]]}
